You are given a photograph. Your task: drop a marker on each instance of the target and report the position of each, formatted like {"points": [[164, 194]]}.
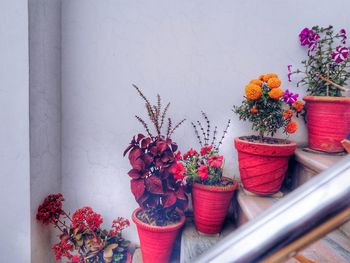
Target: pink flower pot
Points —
{"points": [[328, 122], [210, 206], [263, 166], [156, 241]]}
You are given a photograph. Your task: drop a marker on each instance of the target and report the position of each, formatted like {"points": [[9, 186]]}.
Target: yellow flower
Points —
{"points": [[268, 76], [253, 92], [291, 127], [274, 83], [256, 82], [287, 114], [276, 93], [298, 106]]}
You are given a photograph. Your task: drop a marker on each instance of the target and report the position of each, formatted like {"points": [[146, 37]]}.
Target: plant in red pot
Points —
{"points": [[325, 73], [211, 191], [155, 185], [82, 240], [263, 161]]}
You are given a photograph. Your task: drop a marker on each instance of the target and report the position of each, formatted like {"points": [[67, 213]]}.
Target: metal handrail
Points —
{"points": [[288, 219]]}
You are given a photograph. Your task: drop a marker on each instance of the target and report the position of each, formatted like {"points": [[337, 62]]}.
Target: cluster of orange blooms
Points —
{"points": [[254, 90]]}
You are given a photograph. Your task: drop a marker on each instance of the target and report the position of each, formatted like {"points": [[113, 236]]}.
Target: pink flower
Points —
{"points": [[309, 38], [203, 172], [206, 149], [289, 72], [178, 170], [342, 34], [190, 152], [215, 161], [340, 54], [290, 97]]}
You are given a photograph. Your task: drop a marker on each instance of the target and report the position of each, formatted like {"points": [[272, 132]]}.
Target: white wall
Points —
{"points": [[14, 133], [45, 117], [197, 54]]}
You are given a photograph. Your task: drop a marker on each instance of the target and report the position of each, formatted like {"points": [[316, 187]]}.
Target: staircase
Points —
{"points": [[335, 247]]}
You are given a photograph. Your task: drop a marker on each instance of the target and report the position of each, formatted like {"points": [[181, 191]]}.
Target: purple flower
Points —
{"points": [[340, 54], [342, 34], [289, 72], [290, 97], [309, 38]]}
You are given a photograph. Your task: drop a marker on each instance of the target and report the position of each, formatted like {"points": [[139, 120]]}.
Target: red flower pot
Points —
{"points": [[263, 166], [328, 122], [156, 241], [210, 205]]}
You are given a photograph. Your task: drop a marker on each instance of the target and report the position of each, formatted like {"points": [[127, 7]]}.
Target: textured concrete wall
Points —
{"points": [[14, 133]]}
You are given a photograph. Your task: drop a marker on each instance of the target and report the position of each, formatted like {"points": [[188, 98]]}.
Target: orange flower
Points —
{"points": [[276, 93], [256, 82], [291, 127], [268, 76], [298, 106], [254, 110], [287, 114], [261, 77], [274, 83], [253, 92]]}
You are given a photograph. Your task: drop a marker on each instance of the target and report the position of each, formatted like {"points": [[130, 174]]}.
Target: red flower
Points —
{"points": [[203, 172], [178, 170], [178, 156], [206, 149], [76, 259], [51, 209], [62, 249], [190, 152], [215, 161], [86, 218], [119, 224]]}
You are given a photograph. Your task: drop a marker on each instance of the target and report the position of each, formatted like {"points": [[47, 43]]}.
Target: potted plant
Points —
{"points": [[155, 186], [263, 161], [326, 71], [211, 191], [82, 239]]}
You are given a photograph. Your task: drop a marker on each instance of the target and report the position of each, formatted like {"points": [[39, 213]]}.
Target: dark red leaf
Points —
{"points": [[145, 142], [134, 174], [152, 202], [140, 137], [135, 160], [180, 194], [169, 199], [154, 185], [143, 200], [127, 149], [137, 187], [147, 158], [161, 147], [174, 147]]}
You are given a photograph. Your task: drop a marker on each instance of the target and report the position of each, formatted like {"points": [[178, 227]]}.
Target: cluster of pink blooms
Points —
{"points": [[86, 218], [118, 225]]}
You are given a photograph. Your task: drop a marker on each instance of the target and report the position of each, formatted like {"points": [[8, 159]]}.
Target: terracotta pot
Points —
{"points": [[263, 166], [328, 122], [210, 205], [156, 241]]}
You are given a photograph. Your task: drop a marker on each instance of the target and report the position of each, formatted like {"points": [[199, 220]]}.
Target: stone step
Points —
{"points": [[335, 247], [307, 165], [194, 243]]}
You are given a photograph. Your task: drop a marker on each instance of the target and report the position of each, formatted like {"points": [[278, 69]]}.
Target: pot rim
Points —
{"points": [[291, 143], [217, 188], [158, 229], [326, 99]]}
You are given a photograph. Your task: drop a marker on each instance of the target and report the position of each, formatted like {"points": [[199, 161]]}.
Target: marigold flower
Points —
{"points": [[276, 93], [287, 114], [203, 172], [215, 161], [256, 82], [268, 76], [274, 83], [254, 110], [253, 92], [291, 127], [298, 106]]}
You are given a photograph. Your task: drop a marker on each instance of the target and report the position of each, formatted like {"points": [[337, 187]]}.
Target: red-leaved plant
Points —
{"points": [[82, 240], [153, 160]]}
